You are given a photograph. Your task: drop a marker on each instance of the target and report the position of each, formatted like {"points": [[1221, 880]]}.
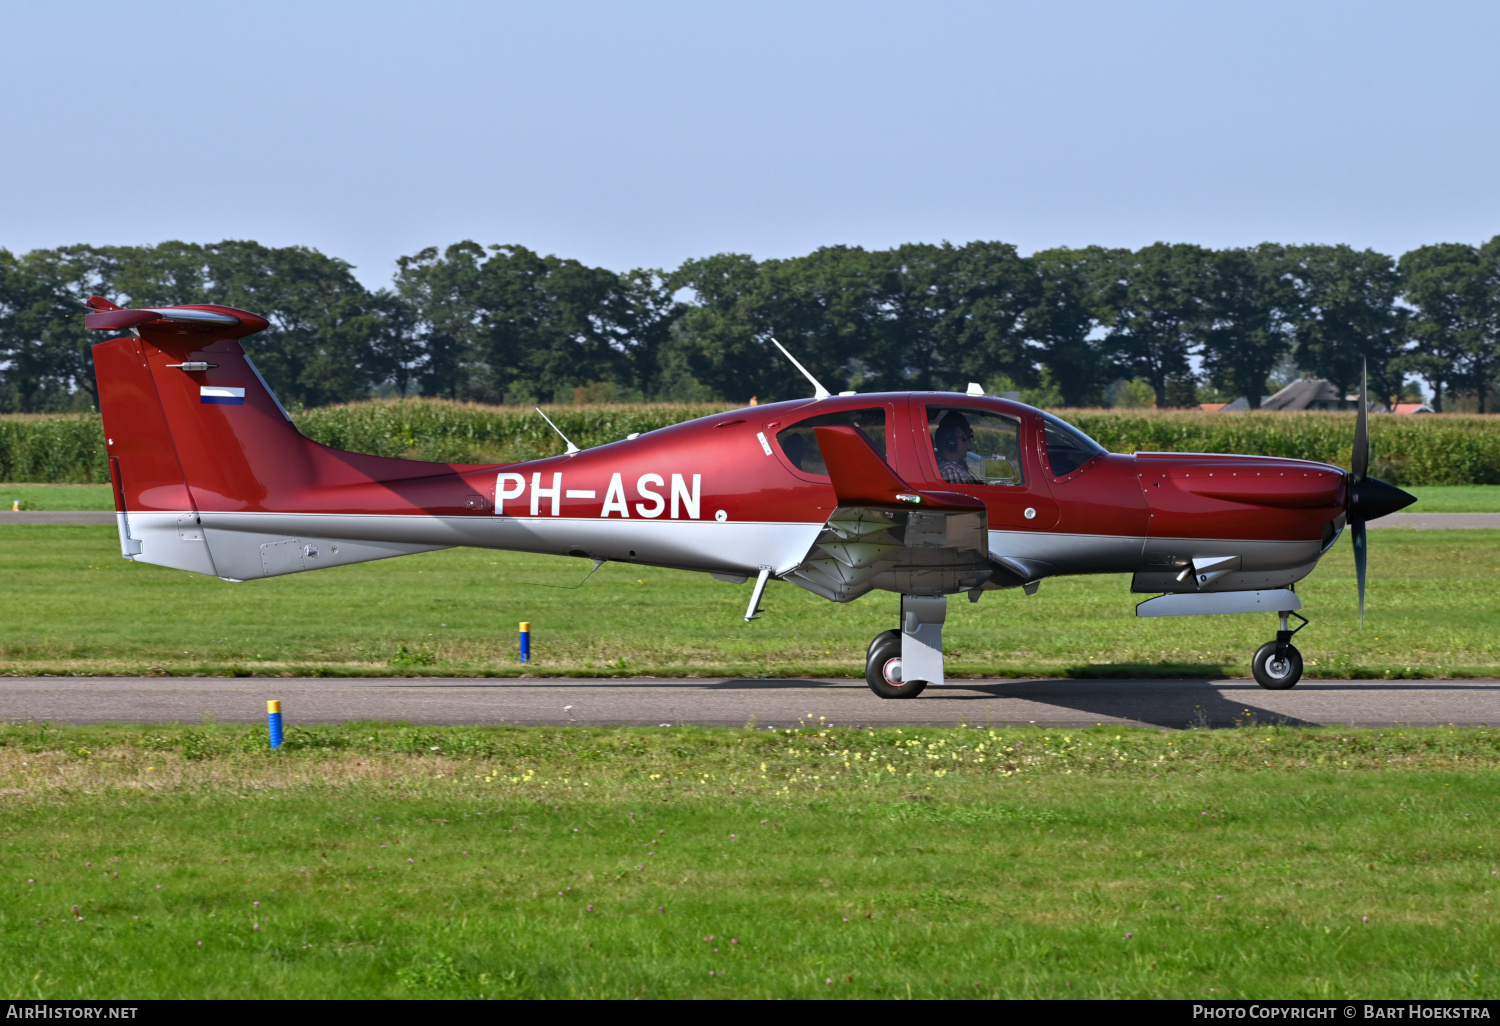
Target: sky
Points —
{"points": [[643, 134]]}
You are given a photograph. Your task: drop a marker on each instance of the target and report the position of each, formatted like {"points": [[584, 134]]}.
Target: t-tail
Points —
{"points": [[211, 475]]}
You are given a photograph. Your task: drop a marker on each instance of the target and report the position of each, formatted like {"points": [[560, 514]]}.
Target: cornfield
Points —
{"points": [[1419, 450]]}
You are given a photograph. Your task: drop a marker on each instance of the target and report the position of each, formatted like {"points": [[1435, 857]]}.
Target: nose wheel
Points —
{"points": [[883, 668], [1276, 671], [1277, 665]]}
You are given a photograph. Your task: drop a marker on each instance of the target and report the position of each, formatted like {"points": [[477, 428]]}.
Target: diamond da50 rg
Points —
{"points": [[924, 494]]}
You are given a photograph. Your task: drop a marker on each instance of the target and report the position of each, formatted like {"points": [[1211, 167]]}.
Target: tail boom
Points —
{"points": [[212, 476]]}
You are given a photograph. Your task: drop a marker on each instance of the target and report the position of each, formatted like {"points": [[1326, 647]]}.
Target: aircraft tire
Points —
{"points": [[884, 651], [1274, 674]]}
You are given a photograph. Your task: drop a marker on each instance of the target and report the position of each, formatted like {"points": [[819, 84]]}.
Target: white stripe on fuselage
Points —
{"points": [[688, 544], [708, 545]]}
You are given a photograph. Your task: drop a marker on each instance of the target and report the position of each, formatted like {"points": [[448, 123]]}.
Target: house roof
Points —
{"points": [[1303, 394]]}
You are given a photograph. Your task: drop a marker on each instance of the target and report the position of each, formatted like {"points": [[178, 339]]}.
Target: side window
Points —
{"points": [[801, 445], [1067, 447], [975, 446]]}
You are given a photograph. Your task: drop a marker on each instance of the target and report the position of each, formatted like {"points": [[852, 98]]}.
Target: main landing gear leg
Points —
{"points": [[900, 664], [1277, 664]]}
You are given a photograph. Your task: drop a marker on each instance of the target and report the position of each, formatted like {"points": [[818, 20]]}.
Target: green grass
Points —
{"points": [[387, 862], [1455, 499], [57, 496], [70, 604]]}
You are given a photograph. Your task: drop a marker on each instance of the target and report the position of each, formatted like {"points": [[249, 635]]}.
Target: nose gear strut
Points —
{"points": [[1277, 665]]}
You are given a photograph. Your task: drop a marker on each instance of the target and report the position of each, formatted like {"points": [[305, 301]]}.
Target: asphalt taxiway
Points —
{"points": [[1170, 704]]}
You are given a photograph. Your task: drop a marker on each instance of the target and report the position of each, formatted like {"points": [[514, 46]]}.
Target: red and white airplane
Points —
{"points": [[925, 494]]}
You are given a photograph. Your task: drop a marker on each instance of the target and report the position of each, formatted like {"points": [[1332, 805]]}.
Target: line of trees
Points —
{"points": [[1072, 327]]}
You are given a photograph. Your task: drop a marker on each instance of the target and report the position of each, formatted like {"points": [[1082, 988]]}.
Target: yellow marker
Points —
{"points": [[273, 706]]}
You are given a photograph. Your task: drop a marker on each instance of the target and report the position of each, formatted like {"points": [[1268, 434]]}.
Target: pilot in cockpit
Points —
{"points": [[951, 441]]}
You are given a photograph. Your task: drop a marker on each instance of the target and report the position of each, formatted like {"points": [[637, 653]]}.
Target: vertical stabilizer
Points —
{"points": [[212, 476]]}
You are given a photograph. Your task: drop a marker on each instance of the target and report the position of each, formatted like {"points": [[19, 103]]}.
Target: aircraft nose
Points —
{"points": [[1373, 498]]}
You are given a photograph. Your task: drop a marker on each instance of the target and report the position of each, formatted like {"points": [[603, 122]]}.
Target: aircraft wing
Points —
{"points": [[885, 533]]}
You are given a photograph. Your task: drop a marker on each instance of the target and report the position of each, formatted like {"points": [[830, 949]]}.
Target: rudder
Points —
{"points": [[144, 468]]}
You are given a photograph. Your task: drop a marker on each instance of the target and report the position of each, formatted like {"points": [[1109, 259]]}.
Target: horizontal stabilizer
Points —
{"points": [[166, 321], [118, 320]]}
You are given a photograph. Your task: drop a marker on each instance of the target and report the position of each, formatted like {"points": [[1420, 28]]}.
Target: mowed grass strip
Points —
{"points": [[380, 861], [1455, 499], [68, 497], [70, 605]]}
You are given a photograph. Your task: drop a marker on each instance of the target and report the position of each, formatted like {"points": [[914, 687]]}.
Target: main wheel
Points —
{"points": [[1273, 673], [883, 668]]}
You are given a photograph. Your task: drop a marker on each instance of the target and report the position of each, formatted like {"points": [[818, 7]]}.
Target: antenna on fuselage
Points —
{"points": [[571, 447], [819, 392]]}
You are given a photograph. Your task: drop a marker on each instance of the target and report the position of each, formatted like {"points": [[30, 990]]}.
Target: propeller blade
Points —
{"points": [[1360, 462], [1369, 498], [1360, 552]]}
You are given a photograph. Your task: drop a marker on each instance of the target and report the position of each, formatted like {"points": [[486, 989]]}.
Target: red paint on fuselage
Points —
{"points": [[177, 453], [1209, 496]]}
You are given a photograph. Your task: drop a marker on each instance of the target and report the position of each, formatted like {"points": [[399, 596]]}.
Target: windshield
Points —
{"points": [[1067, 447]]}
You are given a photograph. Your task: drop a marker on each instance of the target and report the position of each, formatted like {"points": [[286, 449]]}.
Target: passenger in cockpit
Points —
{"points": [[951, 441]]}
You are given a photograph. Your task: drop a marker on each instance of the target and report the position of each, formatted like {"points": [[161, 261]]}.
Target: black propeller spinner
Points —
{"points": [[1369, 497]]}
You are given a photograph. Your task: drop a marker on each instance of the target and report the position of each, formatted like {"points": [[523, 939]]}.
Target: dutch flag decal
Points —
{"points": [[218, 395]]}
